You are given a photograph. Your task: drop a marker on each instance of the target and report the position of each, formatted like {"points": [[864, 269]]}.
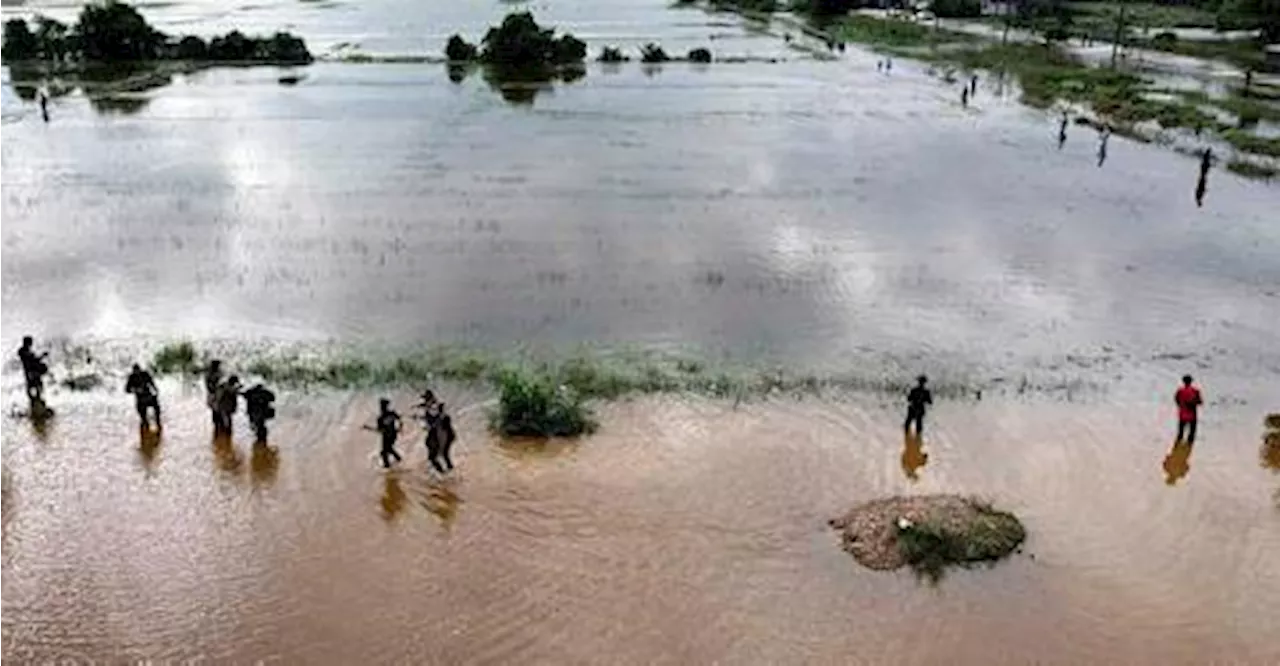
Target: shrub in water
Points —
{"points": [[653, 53], [180, 357], [459, 50], [611, 54], [533, 405], [699, 55]]}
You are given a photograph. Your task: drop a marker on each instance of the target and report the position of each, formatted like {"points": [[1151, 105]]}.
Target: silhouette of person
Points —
{"points": [[1177, 464], [1102, 145], [1206, 161], [146, 397], [1188, 399], [388, 426], [1062, 131], [227, 400], [44, 104], [913, 455], [964, 97], [888, 65], [973, 85], [212, 380], [879, 65], [259, 407], [918, 399], [34, 368], [444, 424]]}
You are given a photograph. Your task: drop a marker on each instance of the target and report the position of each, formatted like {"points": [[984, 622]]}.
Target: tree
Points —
{"points": [[520, 48], [459, 50], [113, 31], [1262, 15], [700, 55], [19, 42], [192, 48], [956, 8], [51, 38]]}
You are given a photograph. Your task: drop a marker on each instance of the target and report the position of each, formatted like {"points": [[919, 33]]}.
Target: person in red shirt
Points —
{"points": [[1188, 400]]}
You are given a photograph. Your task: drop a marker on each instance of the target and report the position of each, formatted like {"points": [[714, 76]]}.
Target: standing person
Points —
{"points": [[34, 368], [888, 65], [918, 399], [212, 380], [1188, 400], [1062, 131], [146, 396], [973, 85], [964, 97], [444, 424], [1206, 161], [388, 426], [259, 407], [1102, 145], [226, 402], [44, 104]]}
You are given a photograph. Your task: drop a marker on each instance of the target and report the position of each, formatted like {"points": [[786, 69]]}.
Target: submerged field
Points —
{"points": [[740, 266]]}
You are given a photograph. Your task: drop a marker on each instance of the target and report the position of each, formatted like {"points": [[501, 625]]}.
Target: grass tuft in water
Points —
{"points": [[176, 358], [532, 404], [988, 536]]}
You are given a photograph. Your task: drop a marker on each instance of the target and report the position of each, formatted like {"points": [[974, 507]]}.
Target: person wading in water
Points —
{"points": [[1206, 161], [146, 396], [1188, 400], [212, 380], [1062, 131], [918, 399], [388, 426], [259, 407], [226, 400], [34, 368]]}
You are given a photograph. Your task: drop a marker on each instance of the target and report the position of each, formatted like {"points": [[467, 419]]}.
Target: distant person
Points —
{"points": [[259, 406], [840, 46], [1202, 183], [918, 400], [964, 97], [879, 65], [146, 397], [43, 97], [434, 439], [1102, 145], [1062, 130], [388, 426], [212, 380], [34, 368], [444, 424], [1188, 400], [787, 38], [888, 65], [973, 85], [226, 402]]}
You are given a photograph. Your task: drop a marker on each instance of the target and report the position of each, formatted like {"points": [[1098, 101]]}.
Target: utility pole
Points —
{"points": [[1115, 43], [1008, 18]]}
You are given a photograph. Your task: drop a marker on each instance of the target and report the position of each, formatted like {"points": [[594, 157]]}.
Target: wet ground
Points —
{"points": [[815, 214]]}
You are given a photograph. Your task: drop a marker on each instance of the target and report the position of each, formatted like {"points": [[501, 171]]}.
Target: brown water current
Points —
{"points": [[816, 216], [685, 532]]}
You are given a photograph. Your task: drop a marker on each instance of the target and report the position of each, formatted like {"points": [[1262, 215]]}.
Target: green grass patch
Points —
{"points": [[987, 536], [1252, 169], [893, 32], [176, 358], [532, 404], [1246, 142], [1100, 17]]}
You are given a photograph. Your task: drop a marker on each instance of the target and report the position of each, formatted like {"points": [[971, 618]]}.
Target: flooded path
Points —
{"points": [[818, 216]]}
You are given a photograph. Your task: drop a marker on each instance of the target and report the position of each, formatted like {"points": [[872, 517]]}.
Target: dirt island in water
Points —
{"points": [[927, 532]]}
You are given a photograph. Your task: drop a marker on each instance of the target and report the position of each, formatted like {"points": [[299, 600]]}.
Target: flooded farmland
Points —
{"points": [[810, 215]]}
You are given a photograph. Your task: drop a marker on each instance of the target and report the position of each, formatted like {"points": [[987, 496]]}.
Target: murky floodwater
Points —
{"points": [[815, 214]]}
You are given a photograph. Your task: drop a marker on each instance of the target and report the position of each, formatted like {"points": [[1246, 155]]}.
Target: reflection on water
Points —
{"points": [[913, 455], [393, 500], [1177, 464], [149, 448], [264, 465], [225, 455]]}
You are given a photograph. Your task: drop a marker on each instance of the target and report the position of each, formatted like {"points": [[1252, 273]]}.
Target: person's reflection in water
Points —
{"points": [[225, 455], [148, 448], [264, 464], [441, 501], [1270, 452], [1178, 463], [393, 498], [40, 416], [913, 455]]}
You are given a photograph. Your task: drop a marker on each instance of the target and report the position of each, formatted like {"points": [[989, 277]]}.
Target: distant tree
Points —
{"points": [[569, 50], [652, 53], [459, 50], [113, 31], [19, 42], [956, 8], [283, 47], [51, 38], [611, 54], [233, 46], [192, 48], [699, 55]]}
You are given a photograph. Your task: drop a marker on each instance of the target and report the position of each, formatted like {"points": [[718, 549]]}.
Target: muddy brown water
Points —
{"points": [[816, 215]]}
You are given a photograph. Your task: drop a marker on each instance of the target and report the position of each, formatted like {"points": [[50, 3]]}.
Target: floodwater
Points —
{"points": [[816, 214]]}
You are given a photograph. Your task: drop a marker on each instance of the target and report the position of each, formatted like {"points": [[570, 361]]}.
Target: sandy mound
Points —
{"points": [[938, 530]]}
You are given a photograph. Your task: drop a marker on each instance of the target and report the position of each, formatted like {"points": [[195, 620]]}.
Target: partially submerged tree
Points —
{"points": [[519, 46], [115, 32], [699, 55], [459, 50], [652, 53]]}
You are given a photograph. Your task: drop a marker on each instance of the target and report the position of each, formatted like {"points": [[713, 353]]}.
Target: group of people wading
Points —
{"points": [[440, 434], [223, 395]]}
